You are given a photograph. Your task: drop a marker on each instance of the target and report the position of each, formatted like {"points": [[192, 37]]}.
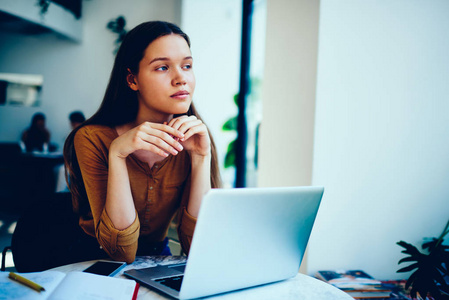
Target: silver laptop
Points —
{"points": [[243, 238]]}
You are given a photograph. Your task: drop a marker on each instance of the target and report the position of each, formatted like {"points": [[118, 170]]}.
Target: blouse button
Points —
{"points": [[151, 187]]}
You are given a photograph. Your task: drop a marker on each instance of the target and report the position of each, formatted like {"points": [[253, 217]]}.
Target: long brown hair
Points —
{"points": [[120, 104]]}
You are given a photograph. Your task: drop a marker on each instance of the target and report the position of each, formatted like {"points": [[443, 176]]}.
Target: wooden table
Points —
{"points": [[299, 287]]}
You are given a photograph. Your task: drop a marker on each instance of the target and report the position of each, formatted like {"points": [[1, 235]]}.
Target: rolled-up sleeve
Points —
{"points": [[185, 229], [119, 244], [92, 155]]}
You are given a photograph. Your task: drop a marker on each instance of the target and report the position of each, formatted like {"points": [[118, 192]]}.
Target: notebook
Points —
{"points": [[70, 286], [243, 238]]}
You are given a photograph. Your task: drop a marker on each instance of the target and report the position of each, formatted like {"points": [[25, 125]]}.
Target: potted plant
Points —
{"points": [[431, 277], [117, 26]]}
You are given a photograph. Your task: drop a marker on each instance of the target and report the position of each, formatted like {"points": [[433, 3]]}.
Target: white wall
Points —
{"points": [[75, 75], [214, 28], [382, 131], [286, 134]]}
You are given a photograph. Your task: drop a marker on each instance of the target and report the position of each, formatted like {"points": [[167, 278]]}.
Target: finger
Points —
{"points": [[200, 129], [142, 142], [172, 121], [165, 132], [177, 122], [174, 137], [182, 124], [147, 126], [153, 148], [154, 144], [162, 140], [190, 124]]}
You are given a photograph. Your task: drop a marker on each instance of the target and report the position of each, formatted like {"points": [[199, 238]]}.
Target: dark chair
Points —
{"points": [[41, 232], [47, 235]]}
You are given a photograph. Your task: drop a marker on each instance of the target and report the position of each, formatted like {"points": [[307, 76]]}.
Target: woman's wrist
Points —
{"points": [[198, 159], [114, 152]]}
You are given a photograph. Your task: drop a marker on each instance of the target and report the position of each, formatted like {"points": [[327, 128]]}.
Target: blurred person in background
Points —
{"points": [[76, 118], [37, 136]]}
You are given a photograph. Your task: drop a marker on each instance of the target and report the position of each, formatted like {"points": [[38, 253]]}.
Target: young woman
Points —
{"points": [[145, 154]]}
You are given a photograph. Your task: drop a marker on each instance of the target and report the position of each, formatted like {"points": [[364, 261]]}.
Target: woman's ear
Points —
{"points": [[131, 80]]}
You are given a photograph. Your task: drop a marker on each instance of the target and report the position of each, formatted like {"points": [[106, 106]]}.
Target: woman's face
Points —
{"points": [[165, 82]]}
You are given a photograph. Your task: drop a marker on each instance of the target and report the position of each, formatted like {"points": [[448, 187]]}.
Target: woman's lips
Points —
{"points": [[180, 95]]}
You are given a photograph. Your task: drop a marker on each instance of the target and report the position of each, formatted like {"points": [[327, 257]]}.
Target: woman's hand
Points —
{"points": [[153, 137], [196, 137]]}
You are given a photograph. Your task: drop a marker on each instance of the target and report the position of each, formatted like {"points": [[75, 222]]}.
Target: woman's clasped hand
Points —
{"points": [[181, 133]]}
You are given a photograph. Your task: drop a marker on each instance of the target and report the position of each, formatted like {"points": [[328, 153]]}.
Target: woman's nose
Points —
{"points": [[179, 78]]}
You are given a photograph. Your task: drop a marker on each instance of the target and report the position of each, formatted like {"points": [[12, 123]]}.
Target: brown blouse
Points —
{"points": [[158, 193]]}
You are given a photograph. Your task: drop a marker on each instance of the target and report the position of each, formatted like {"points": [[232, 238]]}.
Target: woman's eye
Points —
{"points": [[163, 68], [187, 67]]}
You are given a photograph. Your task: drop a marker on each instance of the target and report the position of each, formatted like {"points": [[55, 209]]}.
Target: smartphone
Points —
{"points": [[105, 267]]}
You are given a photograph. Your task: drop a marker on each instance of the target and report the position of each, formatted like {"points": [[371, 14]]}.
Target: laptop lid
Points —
{"points": [[248, 237]]}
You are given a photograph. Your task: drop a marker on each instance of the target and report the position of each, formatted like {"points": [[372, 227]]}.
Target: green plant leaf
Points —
{"points": [[232, 146], [229, 160], [443, 270], [409, 249], [431, 269], [230, 155], [230, 124], [431, 244], [236, 99], [408, 268], [405, 259], [438, 277]]}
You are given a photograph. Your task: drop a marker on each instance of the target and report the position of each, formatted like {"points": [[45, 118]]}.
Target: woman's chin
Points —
{"points": [[180, 111]]}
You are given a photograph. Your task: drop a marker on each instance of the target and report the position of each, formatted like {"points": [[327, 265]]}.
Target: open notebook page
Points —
{"points": [[11, 289], [86, 286]]}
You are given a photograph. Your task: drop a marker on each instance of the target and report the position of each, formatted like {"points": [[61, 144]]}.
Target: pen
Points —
{"points": [[26, 282]]}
